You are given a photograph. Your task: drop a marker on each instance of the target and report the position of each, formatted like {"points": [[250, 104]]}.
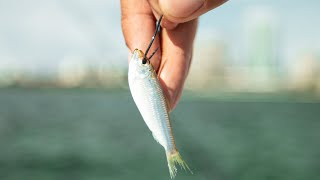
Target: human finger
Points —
{"points": [[138, 26], [180, 11], [177, 47]]}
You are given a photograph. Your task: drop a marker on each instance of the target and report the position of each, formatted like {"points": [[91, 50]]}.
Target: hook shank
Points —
{"points": [[145, 59]]}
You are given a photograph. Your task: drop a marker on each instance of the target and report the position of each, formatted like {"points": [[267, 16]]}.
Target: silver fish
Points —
{"points": [[151, 102]]}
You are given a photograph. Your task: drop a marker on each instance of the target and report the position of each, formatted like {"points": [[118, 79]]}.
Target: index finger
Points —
{"points": [[138, 26]]}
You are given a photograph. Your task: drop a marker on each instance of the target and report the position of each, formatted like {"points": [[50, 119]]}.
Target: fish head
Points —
{"points": [[136, 67]]}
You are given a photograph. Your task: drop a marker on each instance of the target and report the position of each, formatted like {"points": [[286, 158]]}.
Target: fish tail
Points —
{"points": [[174, 158]]}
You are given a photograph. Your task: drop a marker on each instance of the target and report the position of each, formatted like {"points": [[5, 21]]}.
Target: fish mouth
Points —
{"points": [[139, 54]]}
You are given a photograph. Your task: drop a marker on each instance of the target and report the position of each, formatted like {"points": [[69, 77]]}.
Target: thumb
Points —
{"points": [[180, 11]]}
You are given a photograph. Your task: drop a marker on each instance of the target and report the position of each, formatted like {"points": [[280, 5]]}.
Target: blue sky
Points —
{"points": [[46, 32]]}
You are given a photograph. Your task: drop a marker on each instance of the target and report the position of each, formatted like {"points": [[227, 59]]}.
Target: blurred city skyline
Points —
{"points": [[245, 43]]}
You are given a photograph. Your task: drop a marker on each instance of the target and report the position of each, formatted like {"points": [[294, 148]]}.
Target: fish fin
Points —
{"points": [[174, 158]]}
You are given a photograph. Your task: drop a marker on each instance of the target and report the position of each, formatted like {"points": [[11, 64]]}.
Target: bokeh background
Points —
{"points": [[250, 108]]}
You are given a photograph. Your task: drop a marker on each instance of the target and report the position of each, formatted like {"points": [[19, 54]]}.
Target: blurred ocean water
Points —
{"points": [[94, 134]]}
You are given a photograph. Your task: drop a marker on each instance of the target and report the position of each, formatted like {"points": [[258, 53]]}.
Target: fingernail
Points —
{"points": [[173, 100]]}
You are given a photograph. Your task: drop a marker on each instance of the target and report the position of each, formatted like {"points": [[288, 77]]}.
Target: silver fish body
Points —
{"points": [[150, 100]]}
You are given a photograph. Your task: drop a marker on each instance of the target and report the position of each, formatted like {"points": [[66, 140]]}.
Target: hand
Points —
{"points": [[172, 61]]}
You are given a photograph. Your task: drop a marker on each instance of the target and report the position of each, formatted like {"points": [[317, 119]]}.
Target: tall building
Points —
{"points": [[262, 46]]}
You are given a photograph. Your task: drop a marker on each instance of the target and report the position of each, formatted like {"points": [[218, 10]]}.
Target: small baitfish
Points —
{"points": [[151, 102]]}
